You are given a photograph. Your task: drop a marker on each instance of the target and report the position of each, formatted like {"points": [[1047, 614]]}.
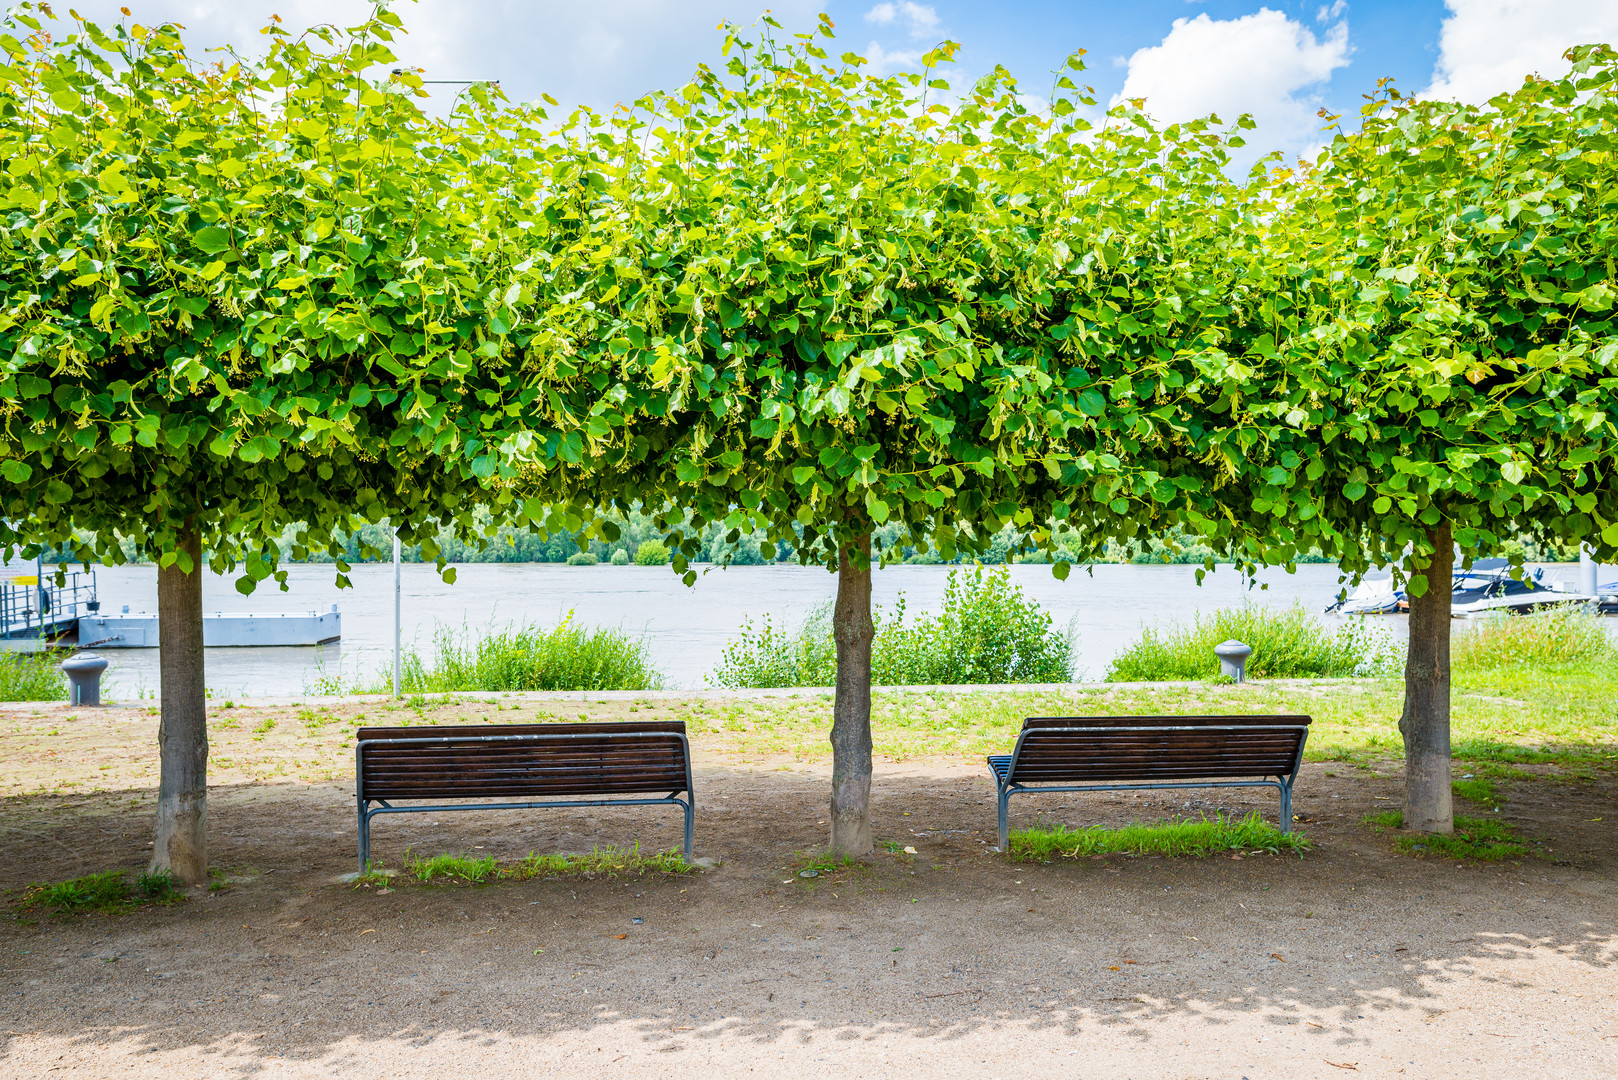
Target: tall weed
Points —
{"points": [[1287, 643], [566, 657], [987, 631], [1564, 634], [32, 676]]}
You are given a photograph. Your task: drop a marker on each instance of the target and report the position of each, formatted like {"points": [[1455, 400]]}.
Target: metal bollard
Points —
{"points": [[84, 678], [1233, 658]]}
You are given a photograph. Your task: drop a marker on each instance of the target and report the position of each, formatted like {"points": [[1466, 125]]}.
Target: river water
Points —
{"points": [[686, 628]]}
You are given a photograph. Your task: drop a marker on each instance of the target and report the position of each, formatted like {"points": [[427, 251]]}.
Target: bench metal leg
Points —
{"points": [[1286, 806], [365, 837], [1005, 838], [690, 815]]}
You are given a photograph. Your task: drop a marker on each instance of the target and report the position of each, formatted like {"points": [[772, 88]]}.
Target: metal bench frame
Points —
{"points": [[1004, 767], [367, 812]]}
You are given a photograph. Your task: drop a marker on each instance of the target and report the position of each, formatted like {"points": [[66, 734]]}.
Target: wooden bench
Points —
{"points": [[1123, 753], [523, 766]]}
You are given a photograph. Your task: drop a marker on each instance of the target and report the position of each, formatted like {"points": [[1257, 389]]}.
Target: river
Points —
{"points": [[685, 628]]}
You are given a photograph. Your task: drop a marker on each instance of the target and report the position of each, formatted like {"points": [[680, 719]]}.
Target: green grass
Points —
{"points": [[482, 869], [608, 860], [986, 631], [1564, 635], [1483, 839], [468, 869], [565, 657], [1480, 790], [1177, 838], [108, 892], [824, 862], [1287, 643], [33, 676]]}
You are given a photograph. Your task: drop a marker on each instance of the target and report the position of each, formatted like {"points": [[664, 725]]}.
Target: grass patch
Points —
{"points": [[1480, 790], [986, 632], [471, 870], [33, 676], [1564, 634], [482, 869], [1483, 839], [1175, 838], [823, 862], [565, 657], [109, 892], [607, 860], [1287, 643]]}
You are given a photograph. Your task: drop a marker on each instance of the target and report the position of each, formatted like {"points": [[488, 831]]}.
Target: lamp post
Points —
{"points": [[396, 615]]}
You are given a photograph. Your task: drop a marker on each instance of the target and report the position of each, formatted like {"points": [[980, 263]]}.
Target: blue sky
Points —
{"points": [[1280, 60]]}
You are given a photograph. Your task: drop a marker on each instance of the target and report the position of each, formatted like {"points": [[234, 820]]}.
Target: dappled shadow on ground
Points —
{"points": [[953, 952]]}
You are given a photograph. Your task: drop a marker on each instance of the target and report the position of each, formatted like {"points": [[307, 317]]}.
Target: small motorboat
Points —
{"points": [[1484, 594], [1374, 596]]}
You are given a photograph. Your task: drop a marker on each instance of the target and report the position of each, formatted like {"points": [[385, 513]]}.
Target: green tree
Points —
{"points": [[1422, 360], [234, 297], [819, 303]]}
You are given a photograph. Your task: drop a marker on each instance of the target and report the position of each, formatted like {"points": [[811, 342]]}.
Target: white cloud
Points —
{"points": [[920, 19], [596, 53], [883, 62], [1487, 46], [1327, 14], [1264, 64]]}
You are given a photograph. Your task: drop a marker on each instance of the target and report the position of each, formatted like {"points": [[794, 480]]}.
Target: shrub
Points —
{"points": [[567, 657], [33, 676], [1287, 643], [986, 632], [1564, 634], [582, 558], [619, 558], [651, 553]]}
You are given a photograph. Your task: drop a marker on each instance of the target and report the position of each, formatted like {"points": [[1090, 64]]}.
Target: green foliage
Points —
{"points": [[652, 553], [1565, 634], [1483, 839], [1179, 838], [1287, 643], [987, 631], [237, 301], [568, 656], [33, 676], [108, 892], [1423, 332], [620, 557], [582, 558], [816, 301]]}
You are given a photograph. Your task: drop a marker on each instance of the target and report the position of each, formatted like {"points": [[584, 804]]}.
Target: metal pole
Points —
{"points": [[39, 594], [1587, 571], [396, 616]]}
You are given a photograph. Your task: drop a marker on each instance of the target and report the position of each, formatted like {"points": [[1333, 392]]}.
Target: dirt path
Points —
{"points": [[952, 963]]}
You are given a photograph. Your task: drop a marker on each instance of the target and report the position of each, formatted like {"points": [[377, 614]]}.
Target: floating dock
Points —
{"points": [[219, 630]]}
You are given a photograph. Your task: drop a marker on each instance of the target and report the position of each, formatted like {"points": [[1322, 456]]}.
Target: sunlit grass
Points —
{"points": [[482, 869], [32, 676], [109, 892], [1206, 836]]}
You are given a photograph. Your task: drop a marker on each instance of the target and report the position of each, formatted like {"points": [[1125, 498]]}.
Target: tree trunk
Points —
{"points": [[182, 733], [851, 714], [1425, 723]]}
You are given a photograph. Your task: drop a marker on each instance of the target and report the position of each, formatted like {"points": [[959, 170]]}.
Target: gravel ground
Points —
{"points": [[951, 962]]}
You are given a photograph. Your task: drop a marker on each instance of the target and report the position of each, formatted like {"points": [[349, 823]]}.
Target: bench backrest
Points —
{"points": [[522, 760], [1080, 749]]}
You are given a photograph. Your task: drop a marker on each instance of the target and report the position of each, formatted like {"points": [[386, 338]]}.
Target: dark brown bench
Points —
{"points": [[1121, 753], [522, 766]]}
